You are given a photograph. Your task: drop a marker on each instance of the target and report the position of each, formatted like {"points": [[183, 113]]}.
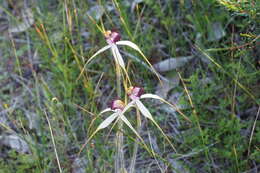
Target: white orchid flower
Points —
{"points": [[111, 37], [136, 94], [113, 40], [118, 109]]}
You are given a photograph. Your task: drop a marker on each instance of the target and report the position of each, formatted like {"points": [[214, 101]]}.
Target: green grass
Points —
{"points": [[222, 136]]}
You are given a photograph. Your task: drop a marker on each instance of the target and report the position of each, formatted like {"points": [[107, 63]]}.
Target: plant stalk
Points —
{"points": [[119, 161], [133, 160]]}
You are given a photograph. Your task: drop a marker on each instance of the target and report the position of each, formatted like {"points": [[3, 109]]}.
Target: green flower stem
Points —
{"points": [[119, 162], [133, 160]]}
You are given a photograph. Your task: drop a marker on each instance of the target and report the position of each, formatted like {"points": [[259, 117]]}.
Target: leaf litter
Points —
{"points": [[27, 22]]}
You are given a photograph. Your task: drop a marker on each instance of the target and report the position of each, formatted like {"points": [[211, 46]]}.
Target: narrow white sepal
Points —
{"points": [[129, 125], [153, 96], [128, 43], [128, 106], [144, 110], [114, 54], [118, 57], [135, 47], [98, 52], [105, 110], [107, 121]]}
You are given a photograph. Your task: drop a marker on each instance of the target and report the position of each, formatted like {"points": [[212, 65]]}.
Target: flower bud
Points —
{"points": [[117, 104], [135, 92]]}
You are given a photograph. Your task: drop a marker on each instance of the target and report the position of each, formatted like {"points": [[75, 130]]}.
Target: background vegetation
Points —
{"points": [[43, 47]]}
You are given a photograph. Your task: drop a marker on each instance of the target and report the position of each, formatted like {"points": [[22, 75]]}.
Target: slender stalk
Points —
{"points": [[53, 142], [119, 162], [16, 57], [133, 160]]}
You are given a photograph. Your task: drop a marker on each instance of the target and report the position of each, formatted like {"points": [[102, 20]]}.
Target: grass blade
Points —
{"points": [[53, 142]]}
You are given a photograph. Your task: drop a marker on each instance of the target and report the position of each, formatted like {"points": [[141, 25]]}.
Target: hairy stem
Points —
{"points": [[119, 162]]}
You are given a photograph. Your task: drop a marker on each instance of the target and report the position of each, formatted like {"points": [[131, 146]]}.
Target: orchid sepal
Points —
{"points": [[117, 56], [105, 110], [92, 57], [148, 115], [153, 96], [135, 47]]}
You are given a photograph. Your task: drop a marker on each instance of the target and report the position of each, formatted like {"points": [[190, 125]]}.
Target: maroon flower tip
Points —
{"points": [[135, 92], [112, 36], [117, 104]]}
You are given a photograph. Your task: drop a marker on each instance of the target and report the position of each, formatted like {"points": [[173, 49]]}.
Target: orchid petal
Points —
{"points": [[98, 52], [114, 54], [135, 47], [124, 119], [106, 110], [92, 57], [107, 121], [128, 106], [130, 44], [118, 56], [103, 125], [147, 114], [144, 110], [119, 60], [129, 125], [153, 96]]}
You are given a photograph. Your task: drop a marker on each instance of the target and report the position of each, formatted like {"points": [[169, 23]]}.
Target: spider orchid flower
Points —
{"points": [[136, 94], [113, 41], [118, 108]]}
